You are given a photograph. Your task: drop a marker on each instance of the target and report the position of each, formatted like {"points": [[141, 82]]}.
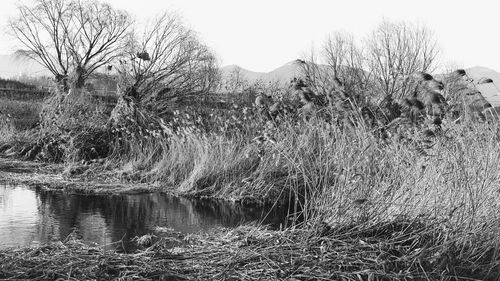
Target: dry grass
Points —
{"points": [[400, 250], [21, 114]]}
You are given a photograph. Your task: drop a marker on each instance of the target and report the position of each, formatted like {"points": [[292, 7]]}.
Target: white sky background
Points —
{"points": [[261, 35]]}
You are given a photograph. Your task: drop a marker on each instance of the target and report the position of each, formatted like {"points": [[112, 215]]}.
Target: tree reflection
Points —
{"points": [[106, 219]]}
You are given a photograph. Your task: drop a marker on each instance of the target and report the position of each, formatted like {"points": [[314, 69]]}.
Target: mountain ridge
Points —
{"points": [[284, 73], [11, 67]]}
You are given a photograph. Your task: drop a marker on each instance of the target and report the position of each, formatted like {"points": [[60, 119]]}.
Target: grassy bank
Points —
{"points": [[401, 250]]}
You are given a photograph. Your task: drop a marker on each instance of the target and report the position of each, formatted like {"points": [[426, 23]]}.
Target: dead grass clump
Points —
{"points": [[437, 121], [275, 109], [428, 133], [432, 97], [74, 111], [413, 104], [479, 105], [484, 80], [387, 251], [94, 143], [460, 72], [67, 120], [422, 76], [262, 100], [77, 261], [435, 85], [7, 129]]}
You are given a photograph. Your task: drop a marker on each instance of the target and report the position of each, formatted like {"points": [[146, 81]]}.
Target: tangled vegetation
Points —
{"points": [[414, 197], [391, 173]]}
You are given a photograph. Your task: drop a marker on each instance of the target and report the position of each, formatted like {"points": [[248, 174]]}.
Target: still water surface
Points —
{"points": [[30, 216]]}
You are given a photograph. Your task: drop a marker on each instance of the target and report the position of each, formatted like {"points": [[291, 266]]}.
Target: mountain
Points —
{"points": [[478, 72], [282, 74], [11, 67], [229, 70], [286, 72], [490, 91]]}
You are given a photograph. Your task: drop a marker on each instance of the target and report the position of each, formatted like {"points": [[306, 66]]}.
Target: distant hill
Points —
{"points": [[282, 74], [249, 75]]}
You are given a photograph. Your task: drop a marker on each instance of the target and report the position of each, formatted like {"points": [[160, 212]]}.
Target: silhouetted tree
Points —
{"points": [[71, 38], [165, 61], [394, 51], [338, 73]]}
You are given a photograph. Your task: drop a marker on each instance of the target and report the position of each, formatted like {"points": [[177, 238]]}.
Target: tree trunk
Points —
{"points": [[80, 77], [62, 81]]}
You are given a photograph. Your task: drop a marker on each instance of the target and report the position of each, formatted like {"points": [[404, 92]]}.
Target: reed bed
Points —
{"points": [[410, 195]]}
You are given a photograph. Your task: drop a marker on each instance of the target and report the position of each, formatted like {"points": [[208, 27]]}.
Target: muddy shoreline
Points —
{"points": [[50, 177]]}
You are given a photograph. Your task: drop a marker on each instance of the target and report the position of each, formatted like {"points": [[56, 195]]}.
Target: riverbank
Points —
{"points": [[386, 251], [410, 204], [98, 178], [48, 176]]}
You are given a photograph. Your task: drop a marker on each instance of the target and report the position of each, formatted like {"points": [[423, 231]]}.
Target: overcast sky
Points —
{"points": [[261, 35]]}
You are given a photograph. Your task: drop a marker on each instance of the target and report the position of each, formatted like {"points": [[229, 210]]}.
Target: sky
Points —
{"points": [[261, 35]]}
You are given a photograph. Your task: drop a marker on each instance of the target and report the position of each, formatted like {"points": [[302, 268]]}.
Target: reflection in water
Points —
{"points": [[29, 216]]}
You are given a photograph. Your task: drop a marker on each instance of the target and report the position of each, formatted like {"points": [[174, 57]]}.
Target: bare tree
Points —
{"points": [[71, 38], [338, 73], [316, 76], [396, 50], [347, 61], [236, 82], [167, 60]]}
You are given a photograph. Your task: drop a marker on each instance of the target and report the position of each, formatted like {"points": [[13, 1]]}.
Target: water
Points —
{"points": [[30, 216]]}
